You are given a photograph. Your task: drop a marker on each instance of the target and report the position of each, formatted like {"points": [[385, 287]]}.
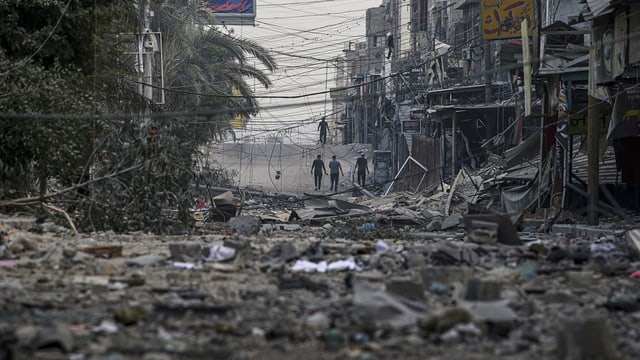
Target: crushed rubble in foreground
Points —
{"points": [[385, 278]]}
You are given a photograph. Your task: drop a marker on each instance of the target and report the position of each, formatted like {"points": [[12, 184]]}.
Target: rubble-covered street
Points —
{"points": [[325, 278], [364, 180]]}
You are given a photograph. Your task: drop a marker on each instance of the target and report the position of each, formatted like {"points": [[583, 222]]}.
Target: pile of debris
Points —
{"points": [[401, 275]]}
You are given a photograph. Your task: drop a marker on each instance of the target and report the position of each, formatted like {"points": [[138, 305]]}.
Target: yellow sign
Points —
{"points": [[502, 19], [238, 122]]}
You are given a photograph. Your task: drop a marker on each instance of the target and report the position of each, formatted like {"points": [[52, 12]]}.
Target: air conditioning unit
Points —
{"points": [[466, 54]]}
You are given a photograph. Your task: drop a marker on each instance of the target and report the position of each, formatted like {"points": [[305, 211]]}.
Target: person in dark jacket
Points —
{"points": [[323, 127], [317, 168], [362, 169]]}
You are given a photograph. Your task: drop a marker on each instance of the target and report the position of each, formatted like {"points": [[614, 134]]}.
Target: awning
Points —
{"points": [[599, 7], [467, 3]]}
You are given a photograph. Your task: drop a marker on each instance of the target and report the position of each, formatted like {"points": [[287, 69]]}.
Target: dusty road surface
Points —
{"points": [[257, 164], [401, 281]]}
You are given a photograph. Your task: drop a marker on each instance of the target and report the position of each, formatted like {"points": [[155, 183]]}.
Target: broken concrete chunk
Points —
{"points": [[434, 225], [633, 241], [373, 304], [445, 320], [482, 290], [56, 335], [445, 274], [185, 251], [450, 254], [281, 252], [589, 337], [244, 225], [483, 232], [406, 287], [496, 315], [451, 222], [130, 315], [506, 231]]}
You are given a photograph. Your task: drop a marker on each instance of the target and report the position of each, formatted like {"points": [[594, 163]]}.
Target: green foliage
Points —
{"points": [[70, 110], [147, 196]]}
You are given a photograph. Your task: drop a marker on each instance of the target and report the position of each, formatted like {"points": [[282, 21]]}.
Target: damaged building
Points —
{"points": [[538, 96]]}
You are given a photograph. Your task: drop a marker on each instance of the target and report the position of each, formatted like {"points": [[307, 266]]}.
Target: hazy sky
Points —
{"points": [[304, 35]]}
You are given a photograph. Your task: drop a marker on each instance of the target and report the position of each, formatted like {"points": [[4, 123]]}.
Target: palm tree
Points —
{"points": [[205, 67]]}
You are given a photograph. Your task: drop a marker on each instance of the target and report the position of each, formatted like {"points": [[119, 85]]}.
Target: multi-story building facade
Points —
{"points": [[446, 84]]}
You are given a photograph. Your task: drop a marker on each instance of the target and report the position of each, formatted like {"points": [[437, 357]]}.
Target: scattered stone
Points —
{"points": [[218, 253], [482, 290], [496, 315], [491, 229], [406, 287], [130, 315], [317, 321], [244, 225], [451, 222], [281, 252], [185, 251], [447, 319], [481, 297], [145, 260], [588, 337]]}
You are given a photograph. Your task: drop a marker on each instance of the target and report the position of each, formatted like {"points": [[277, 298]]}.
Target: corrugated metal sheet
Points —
{"points": [[427, 152], [608, 172], [598, 7]]}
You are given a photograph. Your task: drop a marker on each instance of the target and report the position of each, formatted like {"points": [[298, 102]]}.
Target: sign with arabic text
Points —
{"points": [[411, 127], [502, 19], [579, 114]]}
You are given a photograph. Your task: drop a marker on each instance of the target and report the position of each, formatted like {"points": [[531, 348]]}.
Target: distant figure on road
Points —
{"points": [[317, 168], [335, 169], [362, 169], [323, 127]]}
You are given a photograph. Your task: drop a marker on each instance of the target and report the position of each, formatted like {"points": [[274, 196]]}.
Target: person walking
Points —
{"points": [[317, 168], [362, 169], [335, 169], [323, 127]]}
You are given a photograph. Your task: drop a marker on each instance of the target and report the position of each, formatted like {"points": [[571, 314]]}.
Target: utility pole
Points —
{"points": [[454, 129], [593, 134], [366, 107], [488, 71], [147, 52], [593, 169]]}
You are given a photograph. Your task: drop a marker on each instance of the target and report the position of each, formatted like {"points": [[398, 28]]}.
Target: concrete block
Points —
{"points": [[406, 287], [244, 225], [589, 337], [185, 251], [507, 233], [482, 290]]}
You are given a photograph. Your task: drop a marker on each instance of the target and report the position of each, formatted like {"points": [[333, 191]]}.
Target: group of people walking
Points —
{"points": [[335, 169]]}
